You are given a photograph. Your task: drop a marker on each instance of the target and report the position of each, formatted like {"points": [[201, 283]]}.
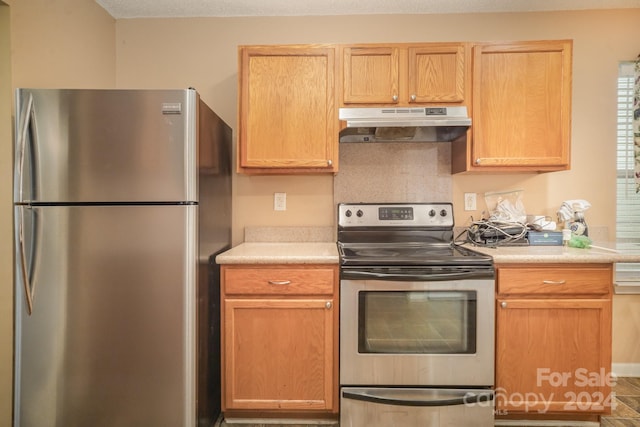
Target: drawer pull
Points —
{"points": [[503, 304], [328, 305], [279, 282], [554, 282]]}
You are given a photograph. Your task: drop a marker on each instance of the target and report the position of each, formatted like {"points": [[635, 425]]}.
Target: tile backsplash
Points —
{"points": [[394, 172]]}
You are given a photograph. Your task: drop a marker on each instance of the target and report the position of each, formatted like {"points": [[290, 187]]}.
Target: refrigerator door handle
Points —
{"points": [[28, 286], [24, 125]]}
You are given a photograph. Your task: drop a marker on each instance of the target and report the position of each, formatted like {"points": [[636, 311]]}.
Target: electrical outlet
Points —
{"points": [[470, 201], [279, 201]]}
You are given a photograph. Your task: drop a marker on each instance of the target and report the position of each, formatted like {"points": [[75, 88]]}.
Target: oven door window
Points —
{"points": [[417, 322]]}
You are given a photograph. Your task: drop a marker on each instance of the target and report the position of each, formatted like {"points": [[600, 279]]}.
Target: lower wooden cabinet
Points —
{"points": [[553, 341], [279, 338]]}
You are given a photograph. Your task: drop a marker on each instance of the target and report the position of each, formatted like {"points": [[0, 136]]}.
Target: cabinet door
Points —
{"points": [[436, 73], [553, 355], [279, 354], [522, 106], [370, 75], [403, 74], [287, 114]]}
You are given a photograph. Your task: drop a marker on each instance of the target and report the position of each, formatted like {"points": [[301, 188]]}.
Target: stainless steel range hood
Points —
{"points": [[424, 124]]}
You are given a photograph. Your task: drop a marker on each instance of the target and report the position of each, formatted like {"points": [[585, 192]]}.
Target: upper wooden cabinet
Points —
{"points": [[287, 117], [404, 74], [521, 108], [518, 95]]}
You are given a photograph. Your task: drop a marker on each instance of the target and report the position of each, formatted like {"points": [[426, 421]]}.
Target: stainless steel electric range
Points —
{"points": [[416, 319]]}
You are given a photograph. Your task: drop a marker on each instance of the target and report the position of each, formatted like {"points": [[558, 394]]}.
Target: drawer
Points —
{"points": [[555, 280], [279, 281]]}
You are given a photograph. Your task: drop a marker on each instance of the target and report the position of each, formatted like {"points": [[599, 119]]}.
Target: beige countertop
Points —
{"points": [[327, 253], [281, 253], [316, 245], [598, 253]]}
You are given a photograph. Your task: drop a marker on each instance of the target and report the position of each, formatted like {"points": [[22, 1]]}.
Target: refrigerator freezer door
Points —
{"points": [[105, 146], [111, 339]]}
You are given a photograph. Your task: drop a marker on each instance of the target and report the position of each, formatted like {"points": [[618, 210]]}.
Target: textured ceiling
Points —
{"points": [[191, 8]]}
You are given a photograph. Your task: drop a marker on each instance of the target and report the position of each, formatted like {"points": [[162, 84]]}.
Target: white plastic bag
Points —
{"points": [[506, 206]]}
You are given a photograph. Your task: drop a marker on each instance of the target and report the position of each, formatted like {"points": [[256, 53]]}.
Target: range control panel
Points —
{"points": [[395, 215]]}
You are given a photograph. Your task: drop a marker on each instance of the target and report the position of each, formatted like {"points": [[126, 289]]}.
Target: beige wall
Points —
{"points": [[6, 254], [62, 43], [626, 329]]}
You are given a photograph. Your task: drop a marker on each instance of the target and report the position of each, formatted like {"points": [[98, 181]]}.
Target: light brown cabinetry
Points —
{"points": [[404, 74], [287, 117], [521, 108], [553, 340], [279, 339]]}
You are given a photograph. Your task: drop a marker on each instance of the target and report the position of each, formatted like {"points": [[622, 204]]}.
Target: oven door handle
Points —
{"points": [[411, 277], [465, 397]]}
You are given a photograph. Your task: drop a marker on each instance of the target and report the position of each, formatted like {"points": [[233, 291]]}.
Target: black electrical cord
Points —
{"points": [[494, 233]]}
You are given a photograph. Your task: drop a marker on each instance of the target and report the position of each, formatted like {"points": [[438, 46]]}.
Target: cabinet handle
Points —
{"points": [[554, 282], [329, 163], [280, 282], [394, 97], [503, 304], [328, 304], [477, 161], [413, 97]]}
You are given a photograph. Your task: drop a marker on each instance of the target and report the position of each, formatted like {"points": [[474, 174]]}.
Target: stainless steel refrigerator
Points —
{"points": [[120, 199]]}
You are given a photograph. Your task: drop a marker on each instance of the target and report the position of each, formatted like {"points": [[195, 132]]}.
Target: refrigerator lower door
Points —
{"points": [[110, 340], [402, 407]]}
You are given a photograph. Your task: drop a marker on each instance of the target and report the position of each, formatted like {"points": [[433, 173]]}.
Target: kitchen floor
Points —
{"points": [[627, 410], [625, 414]]}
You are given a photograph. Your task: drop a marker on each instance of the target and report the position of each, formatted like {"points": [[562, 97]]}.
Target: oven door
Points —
{"points": [[417, 333]]}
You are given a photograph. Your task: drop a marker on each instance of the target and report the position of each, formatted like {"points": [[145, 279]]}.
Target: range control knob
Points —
{"points": [[348, 214], [432, 212], [359, 213], [443, 212]]}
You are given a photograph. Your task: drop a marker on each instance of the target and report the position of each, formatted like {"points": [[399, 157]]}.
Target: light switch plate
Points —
{"points": [[470, 201], [279, 201]]}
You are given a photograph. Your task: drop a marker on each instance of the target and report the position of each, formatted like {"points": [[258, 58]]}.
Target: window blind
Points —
{"points": [[627, 200]]}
